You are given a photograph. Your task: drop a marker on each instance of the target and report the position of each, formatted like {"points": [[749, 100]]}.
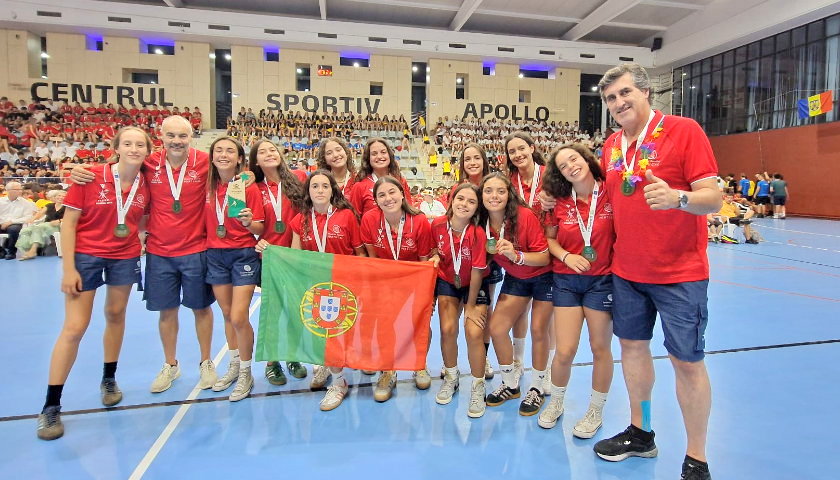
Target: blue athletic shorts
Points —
{"points": [[539, 288], [590, 291], [235, 266], [168, 277], [682, 307], [442, 287], [97, 271], [495, 275]]}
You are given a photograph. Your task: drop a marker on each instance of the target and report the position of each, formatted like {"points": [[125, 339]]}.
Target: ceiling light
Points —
{"points": [[153, 82], [299, 70], [355, 64], [521, 76], [227, 57], [459, 80], [45, 55], [594, 88], [159, 51], [414, 68], [428, 69], [43, 76], [213, 56]]}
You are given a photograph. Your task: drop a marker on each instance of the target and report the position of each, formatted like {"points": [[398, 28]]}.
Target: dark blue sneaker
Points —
{"points": [[626, 444], [694, 470]]}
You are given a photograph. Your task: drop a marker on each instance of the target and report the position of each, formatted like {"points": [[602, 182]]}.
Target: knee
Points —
{"points": [[449, 330], [73, 334], [635, 347], [601, 352], [114, 314], [564, 355]]}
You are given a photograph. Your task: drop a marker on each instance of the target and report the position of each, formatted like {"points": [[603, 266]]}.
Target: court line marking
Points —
{"points": [[785, 292], [153, 452], [749, 252], [359, 386], [763, 225]]}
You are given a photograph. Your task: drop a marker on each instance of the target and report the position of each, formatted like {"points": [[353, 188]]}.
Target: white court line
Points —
{"points": [[153, 452], [797, 231], [803, 246]]}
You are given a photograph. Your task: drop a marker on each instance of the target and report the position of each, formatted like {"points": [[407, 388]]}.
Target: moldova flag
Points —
{"points": [[816, 104], [345, 311]]}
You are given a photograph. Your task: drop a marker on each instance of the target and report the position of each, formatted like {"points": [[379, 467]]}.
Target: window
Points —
{"points": [[524, 96], [160, 49], [144, 76], [375, 88], [488, 70], [272, 55], [527, 73], [302, 72], [461, 86], [93, 43], [354, 62]]}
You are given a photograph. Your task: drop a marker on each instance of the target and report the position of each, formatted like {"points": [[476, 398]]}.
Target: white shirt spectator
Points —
{"points": [[20, 210], [431, 207]]}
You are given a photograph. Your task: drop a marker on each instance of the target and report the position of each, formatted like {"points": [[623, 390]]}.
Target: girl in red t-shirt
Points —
{"points": [[233, 266], [328, 224], [461, 259], [378, 160], [334, 155], [99, 236], [517, 242], [396, 230], [580, 239]]}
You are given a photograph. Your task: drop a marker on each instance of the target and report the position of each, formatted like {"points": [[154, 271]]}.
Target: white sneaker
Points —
{"points": [[589, 424], [225, 381], [244, 384], [334, 396], [548, 417], [448, 389], [488, 370], [546, 383], [385, 386], [422, 379], [207, 373], [165, 377], [319, 377], [477, 403], [518, 371]]}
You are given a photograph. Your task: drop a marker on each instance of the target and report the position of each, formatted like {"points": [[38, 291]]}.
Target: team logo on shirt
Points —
{"points": [[336, 229], [328, 309], [156, 176], [192, 175], [409, 242], [103, 194]]}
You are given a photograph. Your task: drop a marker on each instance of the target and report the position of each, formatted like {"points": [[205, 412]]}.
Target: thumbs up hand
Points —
{"points": [[658, 195]]}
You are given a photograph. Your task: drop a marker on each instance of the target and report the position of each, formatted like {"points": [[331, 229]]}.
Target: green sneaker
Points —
{"points": [[296, 369], [274, 373]]}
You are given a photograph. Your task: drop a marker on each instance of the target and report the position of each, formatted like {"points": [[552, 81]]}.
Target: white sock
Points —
{"points": [[338, 378], [477, 380], [518, 349], [451, 372], [234, 353], [243, 364], [557, 393], [550, 359], [537, 378], [508, 378], [597, 400]]}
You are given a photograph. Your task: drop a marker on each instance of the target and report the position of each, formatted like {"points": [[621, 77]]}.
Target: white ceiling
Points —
{"points": [[569, 28]]}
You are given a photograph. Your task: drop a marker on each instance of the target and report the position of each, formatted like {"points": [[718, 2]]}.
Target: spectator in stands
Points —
{"points": [[431, 207], [779, 191], [738, 213], [35, 236], [15, 211]]}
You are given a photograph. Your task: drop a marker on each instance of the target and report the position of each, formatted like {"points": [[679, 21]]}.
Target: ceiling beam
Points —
{"points": [[637, 26], [174, 3], [600, 16], [521, 14], [671, 4], [322, 4], [409, 4], [468, 7]]}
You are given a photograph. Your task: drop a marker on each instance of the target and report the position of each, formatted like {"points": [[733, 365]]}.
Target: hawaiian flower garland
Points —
{"points": [[631, 178]]}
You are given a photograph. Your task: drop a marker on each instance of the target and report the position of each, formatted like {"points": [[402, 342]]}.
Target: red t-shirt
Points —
{"points": [[236, 236], [569, 237], [362, 196], [347, 191], [473, 251], [177, 234], [530, 238], [342, 234], [417, 236], [665, 246], [526, 189], [97, 202], [288, 214]]}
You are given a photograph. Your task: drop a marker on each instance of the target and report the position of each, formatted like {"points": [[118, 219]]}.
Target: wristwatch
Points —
{"points": [[683, 199]]}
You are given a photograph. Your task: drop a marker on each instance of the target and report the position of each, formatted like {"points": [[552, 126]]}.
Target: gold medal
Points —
{"points": [[589, 253], [221, 231], [627, 187], [491, 246], [121, 230], [279, 226]]}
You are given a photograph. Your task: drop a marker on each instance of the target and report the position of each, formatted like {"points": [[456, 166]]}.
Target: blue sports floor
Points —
{"points": [[773, 342]]}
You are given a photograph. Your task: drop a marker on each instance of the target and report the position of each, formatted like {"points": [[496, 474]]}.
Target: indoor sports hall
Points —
{"points": [[430, 80]]}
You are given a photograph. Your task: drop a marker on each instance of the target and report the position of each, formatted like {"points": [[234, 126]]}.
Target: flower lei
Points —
{"points": [[617, 161]]}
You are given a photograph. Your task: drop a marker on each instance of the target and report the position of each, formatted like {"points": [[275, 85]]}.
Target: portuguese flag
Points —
{"points": [[344, 311]]}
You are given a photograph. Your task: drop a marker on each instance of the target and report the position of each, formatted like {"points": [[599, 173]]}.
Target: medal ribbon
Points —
{"points": [[122, 208], [321, 239], [220, 212], [176, 189], [535, 180], [625, 145], [276, 204], [501, 230], [586, 230], [456, 259], [395, 253]]}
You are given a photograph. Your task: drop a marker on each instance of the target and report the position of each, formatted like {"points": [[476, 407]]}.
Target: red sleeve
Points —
{"points": [[532, 232], [367, 227], [479, 252], [425, 242], [699, 159], [295, 224], [357, 198], [254, 201], [76, 196], [353, 229], [300, 174]]}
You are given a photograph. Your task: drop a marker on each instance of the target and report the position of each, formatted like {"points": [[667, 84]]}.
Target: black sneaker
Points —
{"points": [[532, 403], [626, 444], [501, 395], [694, 470], [49, 423]]}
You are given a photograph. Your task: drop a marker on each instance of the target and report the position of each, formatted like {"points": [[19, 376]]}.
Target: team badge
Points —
{"points": [[328, 309]]}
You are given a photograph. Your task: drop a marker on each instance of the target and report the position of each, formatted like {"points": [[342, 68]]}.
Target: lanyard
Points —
{"points": [[586, 230], [534, 182], [220, 212], [624, 145], [395, 253], [122, 208], [456, 259], [321, 239], [501, 230], [276, 204], [176, 189]]}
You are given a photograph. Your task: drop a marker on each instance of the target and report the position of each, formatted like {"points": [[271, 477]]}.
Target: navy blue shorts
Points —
{"points": [[590, 291], [235, 266], [780, 201], [539, 288], [495, 275], [97, 271], [167, 277], [442, 287], [682, 307]]}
